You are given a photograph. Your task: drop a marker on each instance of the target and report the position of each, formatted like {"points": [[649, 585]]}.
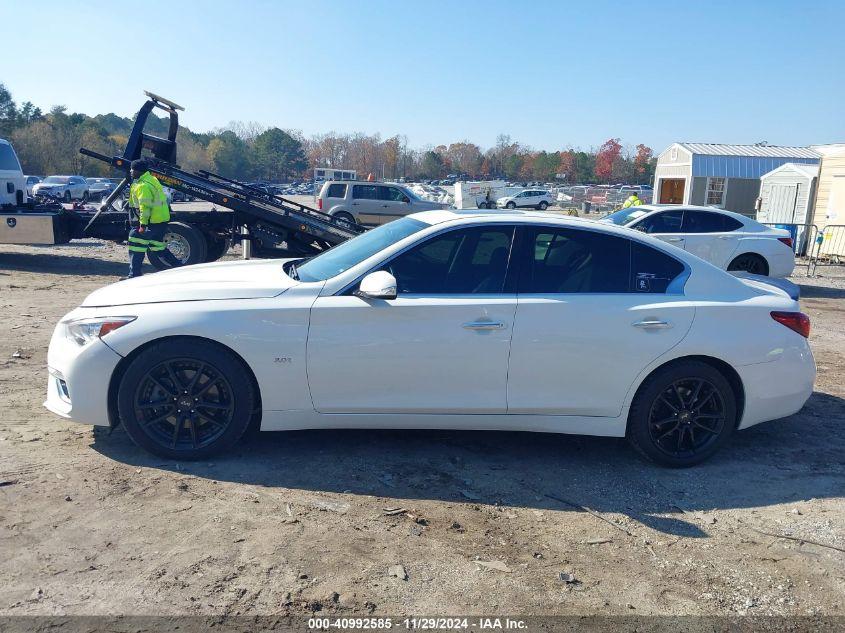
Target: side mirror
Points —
{"points": [[378, 285]]}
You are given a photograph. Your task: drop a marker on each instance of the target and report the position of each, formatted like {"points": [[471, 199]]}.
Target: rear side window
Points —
{"points": [[665, 222], [366, 192], [336, 191], [708, 222], [652, 270], [8, 161], [574, 261]]}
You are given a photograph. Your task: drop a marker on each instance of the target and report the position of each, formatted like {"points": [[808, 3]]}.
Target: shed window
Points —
{"points": [[715, 191]]}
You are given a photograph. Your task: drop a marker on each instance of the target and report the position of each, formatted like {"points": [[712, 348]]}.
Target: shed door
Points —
{"points": [[782, 204], [672, 191], [836, 204]]}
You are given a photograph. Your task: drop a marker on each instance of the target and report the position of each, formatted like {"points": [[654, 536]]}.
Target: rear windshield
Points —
{"points": [[8, 161]]}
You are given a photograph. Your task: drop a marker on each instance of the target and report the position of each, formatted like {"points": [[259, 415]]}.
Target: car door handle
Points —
{"points": [[652, 324], [674, 239], [484, 325]]}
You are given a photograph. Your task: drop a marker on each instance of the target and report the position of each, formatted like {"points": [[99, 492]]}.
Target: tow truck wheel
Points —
{"points": [[186, 243], [215, 247]]}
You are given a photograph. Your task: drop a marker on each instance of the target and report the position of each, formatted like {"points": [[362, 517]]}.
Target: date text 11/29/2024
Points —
{"points": [[418, 623]]}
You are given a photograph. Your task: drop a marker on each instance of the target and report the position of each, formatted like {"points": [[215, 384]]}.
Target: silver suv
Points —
{"points": [[370, 203]]}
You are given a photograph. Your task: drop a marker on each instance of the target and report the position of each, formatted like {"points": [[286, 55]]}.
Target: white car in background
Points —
{"points": [[66, 188], [529, 199], [451, 320], [725, 239]]}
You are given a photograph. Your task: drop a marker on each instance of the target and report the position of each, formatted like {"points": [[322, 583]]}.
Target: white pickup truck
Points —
{"points": [[12, 180]]}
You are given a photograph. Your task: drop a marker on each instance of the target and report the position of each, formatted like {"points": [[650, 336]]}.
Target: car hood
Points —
{"points": [[253, 279]]}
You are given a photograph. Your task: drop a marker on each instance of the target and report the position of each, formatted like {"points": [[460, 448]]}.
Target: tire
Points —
{"points": [[86, 196], [674, 404], [750, 263], [215, 247], [187, 244], [511, 205], [543, 205], [343, 216], [67, 196], [205, 373]]}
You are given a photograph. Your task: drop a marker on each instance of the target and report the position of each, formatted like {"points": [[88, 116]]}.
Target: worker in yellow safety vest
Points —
{"points": [[147, 197], [632, 201]]}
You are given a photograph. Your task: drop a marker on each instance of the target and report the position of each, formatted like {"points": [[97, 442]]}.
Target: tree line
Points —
{"points": [[48, 143]]}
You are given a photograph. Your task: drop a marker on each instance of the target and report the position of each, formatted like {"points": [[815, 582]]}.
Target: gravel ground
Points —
{"points": [[357, 522]]}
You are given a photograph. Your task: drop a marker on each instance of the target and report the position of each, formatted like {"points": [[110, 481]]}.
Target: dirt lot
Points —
{"points": [[311, 521]]}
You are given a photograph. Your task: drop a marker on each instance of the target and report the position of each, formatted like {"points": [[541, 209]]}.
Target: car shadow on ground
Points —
{"points": [[788, 460], [821, 292], [49, 262]]}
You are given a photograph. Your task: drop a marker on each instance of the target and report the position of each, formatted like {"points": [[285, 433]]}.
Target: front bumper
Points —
{"points": [[78, 379]]}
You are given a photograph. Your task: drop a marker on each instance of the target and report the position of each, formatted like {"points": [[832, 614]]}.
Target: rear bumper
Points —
{"points": [[778, 388], [78, 379], [781, 264]]}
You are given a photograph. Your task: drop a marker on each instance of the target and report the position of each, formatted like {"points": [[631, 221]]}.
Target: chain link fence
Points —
{"points": [[598, 200]]}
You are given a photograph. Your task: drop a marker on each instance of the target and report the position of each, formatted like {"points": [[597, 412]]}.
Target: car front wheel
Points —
{"points": [[185, 399], [511, 205], [682, 414]]}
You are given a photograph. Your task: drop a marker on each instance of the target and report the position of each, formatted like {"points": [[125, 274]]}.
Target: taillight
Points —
{"points": [[786, 240], [795, 321], [320, 204]]}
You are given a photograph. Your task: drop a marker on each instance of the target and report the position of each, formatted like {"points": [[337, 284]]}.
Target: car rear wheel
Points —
{"points": [[67, 196], [511, 205], [185, 399], [682, 414], [750, 263], [86, 196], [186, 243], [543, 205]]}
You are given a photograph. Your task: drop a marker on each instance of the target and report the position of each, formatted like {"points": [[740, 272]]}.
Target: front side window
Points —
{"points": [[664, 222], [574, 261], [715, 194], [366, 192], [336, 191], [463, 261], [393, 194]]}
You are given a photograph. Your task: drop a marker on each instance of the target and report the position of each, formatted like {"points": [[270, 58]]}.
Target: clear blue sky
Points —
{"points": [[550, 74]]}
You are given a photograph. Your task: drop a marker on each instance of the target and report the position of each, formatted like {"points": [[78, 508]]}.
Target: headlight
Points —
{"points": [[83, 331]]}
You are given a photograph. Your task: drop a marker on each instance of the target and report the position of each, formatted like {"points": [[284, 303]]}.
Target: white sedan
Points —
{"points": [[490, 320], [728, 240]]}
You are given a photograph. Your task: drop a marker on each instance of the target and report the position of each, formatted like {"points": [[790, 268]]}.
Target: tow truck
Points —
{"points": [[271, 225]]}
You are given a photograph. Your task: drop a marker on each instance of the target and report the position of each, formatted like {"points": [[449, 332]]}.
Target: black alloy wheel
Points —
{"points": [[682, 414], [186, 399], [184, 403], [686, 417], [750, 263]]}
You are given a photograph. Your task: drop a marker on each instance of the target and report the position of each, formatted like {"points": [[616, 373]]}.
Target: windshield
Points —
{"points": [[624, 217], [62, 180], [352, 252]]}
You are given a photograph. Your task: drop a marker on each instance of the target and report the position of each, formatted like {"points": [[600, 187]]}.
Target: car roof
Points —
{"points": [[466, 216], [693, 207]]}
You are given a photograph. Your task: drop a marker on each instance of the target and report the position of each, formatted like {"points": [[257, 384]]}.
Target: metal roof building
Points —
{"points": [[726, 176]]}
